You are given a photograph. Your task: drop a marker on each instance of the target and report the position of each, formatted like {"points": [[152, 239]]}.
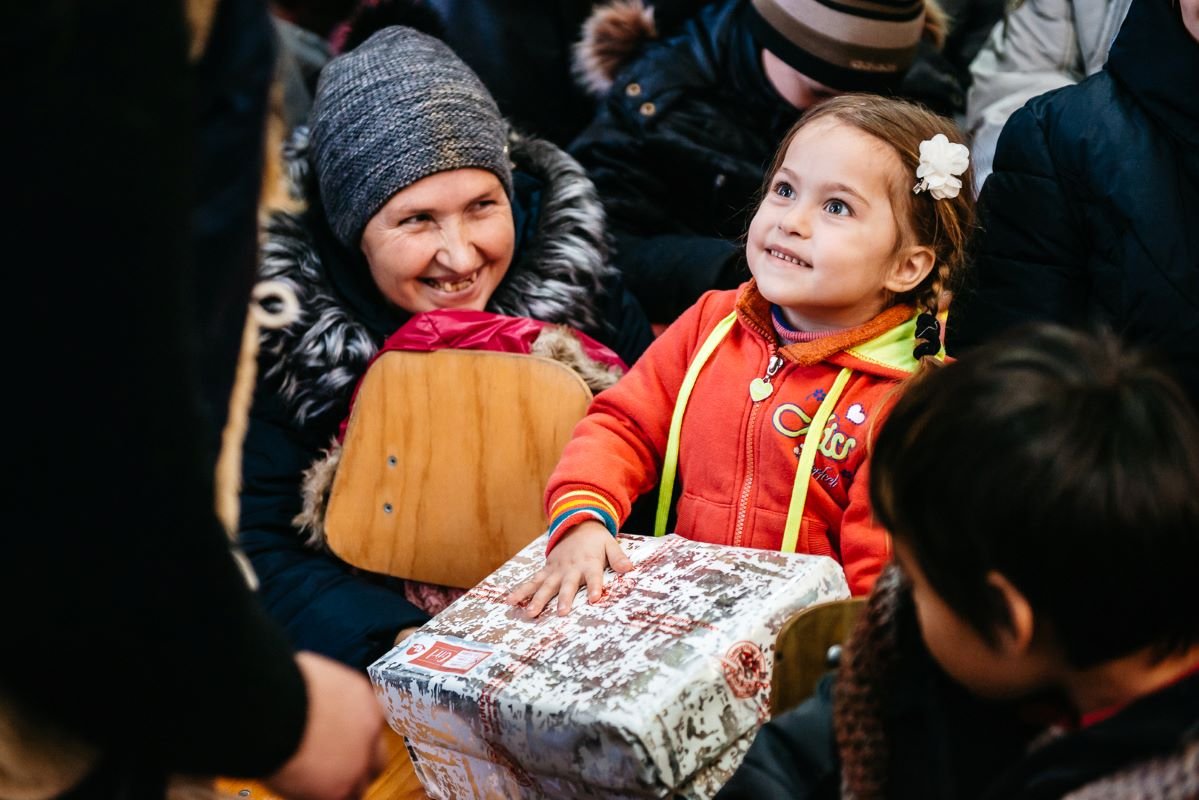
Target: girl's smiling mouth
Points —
{"points": [[789, 258]]}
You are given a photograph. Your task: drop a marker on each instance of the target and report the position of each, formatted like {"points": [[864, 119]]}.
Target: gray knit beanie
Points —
{"points": [[397, 108]]}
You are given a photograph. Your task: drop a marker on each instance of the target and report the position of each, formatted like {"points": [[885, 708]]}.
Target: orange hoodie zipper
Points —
{"points": [[773, 365]]}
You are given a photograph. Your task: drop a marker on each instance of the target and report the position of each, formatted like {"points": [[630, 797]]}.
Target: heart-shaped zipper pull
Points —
{"points": [[761, 388]]}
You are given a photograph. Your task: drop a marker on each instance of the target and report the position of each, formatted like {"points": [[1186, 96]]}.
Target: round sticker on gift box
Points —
{"points": [[745, 669]]}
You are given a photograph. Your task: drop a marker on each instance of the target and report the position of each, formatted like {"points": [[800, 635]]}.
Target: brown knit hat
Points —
{"points": [[848, 45]]}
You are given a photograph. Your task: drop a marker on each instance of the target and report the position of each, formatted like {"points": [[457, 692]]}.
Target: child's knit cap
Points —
{"points": [[848, 45], [397, 108]]}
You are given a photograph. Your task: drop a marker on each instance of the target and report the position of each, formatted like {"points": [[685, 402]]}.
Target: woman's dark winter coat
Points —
{"points": [[892, 724], [308, 371], [1090, 215], [684, 132]]}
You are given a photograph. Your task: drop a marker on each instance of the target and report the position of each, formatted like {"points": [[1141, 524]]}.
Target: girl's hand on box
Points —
{"points": [[578, 559]]}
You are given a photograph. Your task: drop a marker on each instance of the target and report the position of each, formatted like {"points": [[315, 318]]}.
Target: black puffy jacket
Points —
{"points": [[1090, 215]]}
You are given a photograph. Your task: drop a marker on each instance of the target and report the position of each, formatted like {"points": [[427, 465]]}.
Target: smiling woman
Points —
{"points": [[446, 241], [417, 197]]}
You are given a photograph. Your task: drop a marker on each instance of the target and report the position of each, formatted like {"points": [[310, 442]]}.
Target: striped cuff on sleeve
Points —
{"points": [[574, 507]]}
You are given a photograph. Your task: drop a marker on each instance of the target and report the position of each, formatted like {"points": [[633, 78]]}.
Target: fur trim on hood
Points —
{"points": [[612, 37], [560, 344], [557, 343], [560, 276]]}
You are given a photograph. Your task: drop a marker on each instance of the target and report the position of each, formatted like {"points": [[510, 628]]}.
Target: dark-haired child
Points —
{"points": [[1039, 635]]}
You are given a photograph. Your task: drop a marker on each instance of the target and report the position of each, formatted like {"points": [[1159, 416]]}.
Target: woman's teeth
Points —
{"points": [[452, 286], [788, 259]]}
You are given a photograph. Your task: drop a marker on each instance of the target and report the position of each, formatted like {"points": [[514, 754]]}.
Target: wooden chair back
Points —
{"points": [[445, 462], [801, 653]]}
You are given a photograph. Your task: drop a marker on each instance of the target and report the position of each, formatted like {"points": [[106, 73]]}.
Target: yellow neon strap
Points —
{"points": [[807, 457], [670, 461]]}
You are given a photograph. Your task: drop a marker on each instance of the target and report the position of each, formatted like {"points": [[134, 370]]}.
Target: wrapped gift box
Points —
{"points": [[655, 691]]}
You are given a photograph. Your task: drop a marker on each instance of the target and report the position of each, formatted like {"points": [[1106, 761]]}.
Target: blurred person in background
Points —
{"points": [[136, 649]]}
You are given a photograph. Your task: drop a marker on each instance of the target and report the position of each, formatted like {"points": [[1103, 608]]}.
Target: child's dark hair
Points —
{"points": [[1068, 464], [944, 225]]}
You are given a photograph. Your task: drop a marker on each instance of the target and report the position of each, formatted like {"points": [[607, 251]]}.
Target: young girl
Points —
{"points": [[762, 400]]}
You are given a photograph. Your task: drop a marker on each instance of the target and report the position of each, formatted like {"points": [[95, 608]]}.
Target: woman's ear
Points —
{"points": [[911, 267], [1016, 635]]}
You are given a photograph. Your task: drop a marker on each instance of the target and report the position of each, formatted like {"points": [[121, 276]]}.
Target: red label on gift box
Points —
{"points": [[446, 657]]}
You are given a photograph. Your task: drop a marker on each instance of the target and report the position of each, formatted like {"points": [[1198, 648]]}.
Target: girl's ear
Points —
{"points": [[911, 267], [1015, 636]]}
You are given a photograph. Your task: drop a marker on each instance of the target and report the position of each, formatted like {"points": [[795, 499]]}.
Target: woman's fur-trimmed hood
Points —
{"points": [[559, 275]]}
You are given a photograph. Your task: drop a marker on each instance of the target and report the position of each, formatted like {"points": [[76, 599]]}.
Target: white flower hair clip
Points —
{"points": [[941, 162]]}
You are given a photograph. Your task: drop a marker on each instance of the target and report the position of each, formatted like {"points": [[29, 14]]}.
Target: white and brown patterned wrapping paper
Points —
{"points": [[655, 691]]}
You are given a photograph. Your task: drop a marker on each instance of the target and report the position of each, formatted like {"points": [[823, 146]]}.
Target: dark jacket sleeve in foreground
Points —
{"points": [[126, 622], [323, 604]]}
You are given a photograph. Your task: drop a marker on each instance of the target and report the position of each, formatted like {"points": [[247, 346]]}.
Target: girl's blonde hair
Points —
{"points": [[943, 225]]}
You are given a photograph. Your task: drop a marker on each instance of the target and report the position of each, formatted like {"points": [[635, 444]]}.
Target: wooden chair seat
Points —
{"points": [[801, 654], [445, 461]]}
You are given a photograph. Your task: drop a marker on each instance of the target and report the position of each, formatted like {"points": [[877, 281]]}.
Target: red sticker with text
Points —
{"points": [[445, 657]]}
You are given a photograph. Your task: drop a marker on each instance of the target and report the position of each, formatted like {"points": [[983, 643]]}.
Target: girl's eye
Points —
{"points": [[484, 204], [783, 189], [838, 208], [415, 219]]}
